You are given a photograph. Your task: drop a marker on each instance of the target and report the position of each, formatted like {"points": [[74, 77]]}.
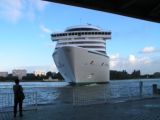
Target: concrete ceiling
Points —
{"points": [[141, 9]]}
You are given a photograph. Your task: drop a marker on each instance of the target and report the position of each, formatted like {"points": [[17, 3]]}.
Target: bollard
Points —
{"points": [[158, 91], [140, 86], [154, 88]]}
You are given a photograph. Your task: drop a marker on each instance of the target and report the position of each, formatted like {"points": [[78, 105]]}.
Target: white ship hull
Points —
{"points": [[76, 66]]}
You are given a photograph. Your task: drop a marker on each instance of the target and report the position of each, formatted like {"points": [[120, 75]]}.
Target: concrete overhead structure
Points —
{"points": [[4, 74], [142, 9], [39, 73], [19, 73]]}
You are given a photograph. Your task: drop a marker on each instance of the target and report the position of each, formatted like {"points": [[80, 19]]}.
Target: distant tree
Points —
{"points": [[2, 78], [49, 74], [59, 76], [9, 77]]}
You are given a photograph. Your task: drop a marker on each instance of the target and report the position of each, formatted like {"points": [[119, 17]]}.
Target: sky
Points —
{"points": [[25, 41]]}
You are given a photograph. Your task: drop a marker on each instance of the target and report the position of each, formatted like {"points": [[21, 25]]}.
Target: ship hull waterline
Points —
{"points": [[80, 66]]}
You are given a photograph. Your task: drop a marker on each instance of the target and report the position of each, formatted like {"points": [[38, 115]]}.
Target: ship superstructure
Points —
{"points": [[80, 54]]}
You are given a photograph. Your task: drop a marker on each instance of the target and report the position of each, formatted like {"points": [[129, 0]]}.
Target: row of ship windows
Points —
{"points": [[97, 47], [82, 33], [81, 43]]}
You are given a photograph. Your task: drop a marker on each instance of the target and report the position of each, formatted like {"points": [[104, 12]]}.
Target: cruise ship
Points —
{"points": [[80, 54]]}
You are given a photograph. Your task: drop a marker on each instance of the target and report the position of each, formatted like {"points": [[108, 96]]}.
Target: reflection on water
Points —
{"points": [[51, 92]]}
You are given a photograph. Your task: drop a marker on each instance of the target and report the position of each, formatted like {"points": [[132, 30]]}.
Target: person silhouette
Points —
{"points": [[17, 87]]}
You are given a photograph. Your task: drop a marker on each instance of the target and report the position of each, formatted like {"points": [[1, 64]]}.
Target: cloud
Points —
{"points": [[13, 10], [40, 5], [149, 50], [130, 63], [53, 68], [45, 29], [114, 56], [49, 45], [132, 59], [42, 35]]}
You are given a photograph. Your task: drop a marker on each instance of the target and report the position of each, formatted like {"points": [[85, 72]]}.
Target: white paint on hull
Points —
{"points": [[74, 64]]}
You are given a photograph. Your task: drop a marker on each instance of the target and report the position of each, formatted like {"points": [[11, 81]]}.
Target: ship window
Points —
{"points": [[57, 35], [63, 34], [89, 33], [99, 33], [54, 35], [106, 33], [79, 34], [102, 33], [69, 33], [72, 33], [109, 33], [95, 33], [91, 62], [92, 33], [60, 34], [85, 33], [75, 33], [82, 33]]}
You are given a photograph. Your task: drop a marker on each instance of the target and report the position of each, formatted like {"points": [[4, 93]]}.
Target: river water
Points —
{"points": [[51, 92]]}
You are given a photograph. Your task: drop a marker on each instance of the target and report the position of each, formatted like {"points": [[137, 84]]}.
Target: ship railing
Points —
{"points": [[7, 101], [113, 95]]}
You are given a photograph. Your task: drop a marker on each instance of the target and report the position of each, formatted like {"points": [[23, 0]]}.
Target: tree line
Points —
{"points": [[118, 75], [31, 76], [114, 75]]}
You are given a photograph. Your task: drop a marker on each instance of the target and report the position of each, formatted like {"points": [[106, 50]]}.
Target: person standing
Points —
{"points": [[16, 88]]}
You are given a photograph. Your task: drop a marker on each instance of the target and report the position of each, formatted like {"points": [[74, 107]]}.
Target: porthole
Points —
{"points": [[75, 33], [91, 62], [85, 33], [102, 33], [69, 33], [72, 33]]}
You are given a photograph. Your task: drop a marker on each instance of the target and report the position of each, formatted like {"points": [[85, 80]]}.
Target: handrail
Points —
{"points": [[7, 101]]}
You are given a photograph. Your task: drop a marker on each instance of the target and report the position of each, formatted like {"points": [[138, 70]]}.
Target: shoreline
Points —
{"points": [[66, 81], [31, 81]]}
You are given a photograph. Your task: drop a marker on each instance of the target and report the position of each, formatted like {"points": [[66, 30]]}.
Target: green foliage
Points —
{"points": [[117, 75], [59, 76], [2, 78], [49, 74]]}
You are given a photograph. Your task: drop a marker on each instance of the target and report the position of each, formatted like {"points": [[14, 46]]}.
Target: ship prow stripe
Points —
{"points": [[98, 54]]}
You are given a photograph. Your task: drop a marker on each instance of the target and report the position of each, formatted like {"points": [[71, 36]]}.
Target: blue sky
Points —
{"points": [[26, 25]]}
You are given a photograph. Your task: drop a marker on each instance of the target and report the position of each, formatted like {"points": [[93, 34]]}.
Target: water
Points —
{"points": [[51, 92]]}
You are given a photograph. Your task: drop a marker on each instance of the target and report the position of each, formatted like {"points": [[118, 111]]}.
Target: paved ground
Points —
{"points": [[148, 109]]}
